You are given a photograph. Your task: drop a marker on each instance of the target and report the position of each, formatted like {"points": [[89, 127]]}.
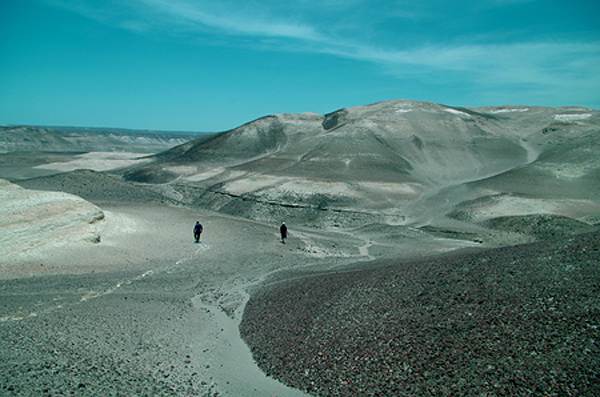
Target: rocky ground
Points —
{"points": [[146, 311], [88, 345], [514, 321], [391, 282]]}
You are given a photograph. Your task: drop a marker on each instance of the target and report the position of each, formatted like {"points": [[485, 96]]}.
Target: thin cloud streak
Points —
{"points": [[539, 63], [189, 15]]}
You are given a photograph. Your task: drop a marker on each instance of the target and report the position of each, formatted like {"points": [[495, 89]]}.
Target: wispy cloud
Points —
{"points": [[229, 21], [310, 26]]}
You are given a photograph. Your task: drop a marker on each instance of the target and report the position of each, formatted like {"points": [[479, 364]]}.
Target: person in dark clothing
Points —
{"points": [[198, 231], [284, 232]]}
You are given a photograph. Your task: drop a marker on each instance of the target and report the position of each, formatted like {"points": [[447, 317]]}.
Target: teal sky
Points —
{"points": [[212, 65]]}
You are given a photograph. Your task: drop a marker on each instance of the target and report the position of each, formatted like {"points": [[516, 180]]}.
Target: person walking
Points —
{"points": [[198, 231], [284, 232]]}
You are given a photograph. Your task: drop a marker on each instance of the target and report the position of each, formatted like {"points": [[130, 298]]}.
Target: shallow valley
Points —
{"points": [[103, 289]]}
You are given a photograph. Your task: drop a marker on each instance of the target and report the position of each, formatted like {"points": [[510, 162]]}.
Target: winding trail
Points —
{"points": [[148, 253], [230, 364]]}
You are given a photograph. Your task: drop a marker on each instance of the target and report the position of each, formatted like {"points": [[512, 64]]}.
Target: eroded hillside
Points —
{"points": [[415, 164]]}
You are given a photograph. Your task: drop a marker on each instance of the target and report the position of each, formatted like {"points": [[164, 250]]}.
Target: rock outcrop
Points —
{"points": [[32, 219]]}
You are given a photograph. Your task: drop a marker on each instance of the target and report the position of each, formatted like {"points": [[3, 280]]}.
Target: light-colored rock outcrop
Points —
{"points": [[32, 219]]}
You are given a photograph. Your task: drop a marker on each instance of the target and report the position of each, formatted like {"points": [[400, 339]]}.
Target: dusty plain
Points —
{"points": [[446, 269]]}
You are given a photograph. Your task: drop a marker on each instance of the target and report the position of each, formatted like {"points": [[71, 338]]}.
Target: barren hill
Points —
{"points": [[418, 164], [376, 197]]}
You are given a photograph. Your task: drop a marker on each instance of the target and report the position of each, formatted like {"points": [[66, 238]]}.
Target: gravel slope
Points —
{"points": [[513, 321]]}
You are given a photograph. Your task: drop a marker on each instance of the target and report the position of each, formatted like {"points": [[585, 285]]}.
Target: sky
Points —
{"points": [[208, 65]]}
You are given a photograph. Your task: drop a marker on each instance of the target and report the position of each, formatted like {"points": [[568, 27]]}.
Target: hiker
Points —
{"points": [[198, 231], [283, 230]]}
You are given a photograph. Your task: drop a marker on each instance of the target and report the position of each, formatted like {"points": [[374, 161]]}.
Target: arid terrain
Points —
{"points": [[433, 250]]}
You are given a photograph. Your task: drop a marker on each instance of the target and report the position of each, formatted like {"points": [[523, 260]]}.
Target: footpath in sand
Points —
{"points": [[137, 313], [139, 308], [145, 311], [148, 311]]}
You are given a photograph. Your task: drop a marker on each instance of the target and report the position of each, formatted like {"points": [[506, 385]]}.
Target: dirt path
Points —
{"points": [[174, 302]]}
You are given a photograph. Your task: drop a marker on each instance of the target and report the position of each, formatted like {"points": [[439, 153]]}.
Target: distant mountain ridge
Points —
{"points": [[85, 139], [395, 162]]}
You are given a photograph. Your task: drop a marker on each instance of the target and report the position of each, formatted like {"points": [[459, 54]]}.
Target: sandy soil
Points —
{"points": [[98, 161], [148, 311], [137, 313]]}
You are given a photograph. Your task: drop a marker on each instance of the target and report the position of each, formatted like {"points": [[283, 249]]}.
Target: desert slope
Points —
{"points": [[399, 162], [421, 187], [513, 321]]}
